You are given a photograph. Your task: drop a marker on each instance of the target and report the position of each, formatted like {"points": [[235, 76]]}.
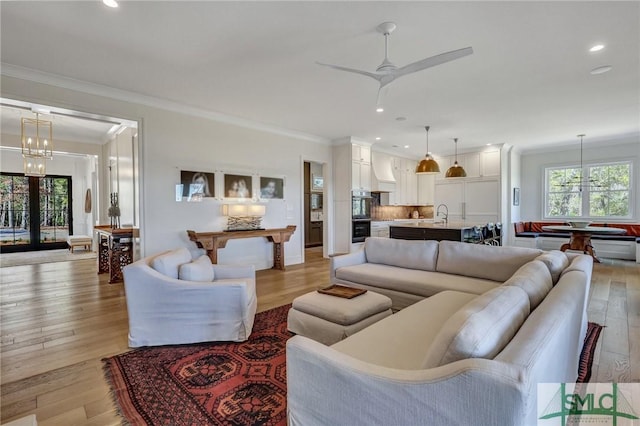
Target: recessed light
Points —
{"points": [[379, 109], [596, 48], [110, 3], [489, 144], [601, 70], [378, 138], [406, 146]]}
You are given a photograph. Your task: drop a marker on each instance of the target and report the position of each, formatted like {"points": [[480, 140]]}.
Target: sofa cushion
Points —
{"points": [[482, 261], [401, 340], [412, 281], [481, 328], [535, 279], [579, 263], [168, 263], [403, 253], [198, 270], [556, 261]]}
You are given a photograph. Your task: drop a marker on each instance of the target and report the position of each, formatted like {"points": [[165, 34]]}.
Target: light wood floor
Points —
{"points": [[60, 319]]}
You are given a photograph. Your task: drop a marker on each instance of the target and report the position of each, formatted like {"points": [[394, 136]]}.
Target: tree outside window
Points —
{"points": [[605, 191]]}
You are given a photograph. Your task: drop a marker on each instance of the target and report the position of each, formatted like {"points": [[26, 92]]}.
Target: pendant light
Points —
{"points": [[37, 144], [428, 165], [456, 170], [581, 182]]}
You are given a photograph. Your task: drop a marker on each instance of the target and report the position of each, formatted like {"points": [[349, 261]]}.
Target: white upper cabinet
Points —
{"points": [[476, 164], [360, 167], [490, 163], [361, 153]]}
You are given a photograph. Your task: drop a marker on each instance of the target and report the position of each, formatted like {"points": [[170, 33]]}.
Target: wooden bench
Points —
{"points": [[79, 241]]}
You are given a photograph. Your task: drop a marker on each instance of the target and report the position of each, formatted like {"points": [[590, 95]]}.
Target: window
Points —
{"points": [[605, 191]]}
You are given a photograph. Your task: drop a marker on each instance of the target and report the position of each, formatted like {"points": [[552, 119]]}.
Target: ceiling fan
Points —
{"points": [[387, 72]]}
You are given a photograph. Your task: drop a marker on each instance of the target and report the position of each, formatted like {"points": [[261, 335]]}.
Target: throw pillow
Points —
{"points": [[168, 263], [481, 328], [198, 270], [556, 261], [535, 279]]}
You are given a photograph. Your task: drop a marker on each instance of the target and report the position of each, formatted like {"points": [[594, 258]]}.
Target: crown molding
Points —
{"points": [[42, 77]]}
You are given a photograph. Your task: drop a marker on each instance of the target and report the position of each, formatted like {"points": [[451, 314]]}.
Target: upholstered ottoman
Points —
{"points": [[79, 240], [329, 319]]}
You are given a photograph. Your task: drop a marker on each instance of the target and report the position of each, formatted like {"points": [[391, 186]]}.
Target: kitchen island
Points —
{"points": [[452, 231]]}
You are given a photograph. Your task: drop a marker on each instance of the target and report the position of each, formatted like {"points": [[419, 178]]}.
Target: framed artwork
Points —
{"points": [[197, 185], [238, 186], [271, 188], [516, 196]]}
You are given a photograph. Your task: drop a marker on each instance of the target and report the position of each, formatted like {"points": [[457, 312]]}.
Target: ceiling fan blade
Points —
{"points": [[382, 94], [375, 76], [433, 61]]}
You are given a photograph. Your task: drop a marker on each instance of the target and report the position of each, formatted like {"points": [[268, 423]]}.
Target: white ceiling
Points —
{"points": [[527, 84], [67, 125]]}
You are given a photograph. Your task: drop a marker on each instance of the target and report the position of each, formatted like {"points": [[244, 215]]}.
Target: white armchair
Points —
{"points": [[165, 310]]}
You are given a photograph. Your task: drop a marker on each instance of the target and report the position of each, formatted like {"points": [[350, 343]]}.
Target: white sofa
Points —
{"points": [[172, 299], [457, 357]]}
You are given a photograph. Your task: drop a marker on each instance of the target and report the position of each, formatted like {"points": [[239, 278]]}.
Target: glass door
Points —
{"points": [[35, 213]]}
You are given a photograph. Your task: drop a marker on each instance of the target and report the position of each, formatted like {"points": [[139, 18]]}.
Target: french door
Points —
{"points": [[35, 213]]}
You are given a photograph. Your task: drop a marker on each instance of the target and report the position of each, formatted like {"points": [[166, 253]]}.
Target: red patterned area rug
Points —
{"points": [[206, 384], [588, 351]]}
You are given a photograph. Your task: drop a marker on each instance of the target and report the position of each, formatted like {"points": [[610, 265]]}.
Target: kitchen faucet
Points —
{"points": [[445, 214]]}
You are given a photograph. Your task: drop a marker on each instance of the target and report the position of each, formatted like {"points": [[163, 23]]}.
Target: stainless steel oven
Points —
{"points": [[360, 230], [361, 205]]}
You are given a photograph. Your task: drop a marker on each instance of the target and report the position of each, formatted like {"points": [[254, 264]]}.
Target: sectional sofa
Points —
{"points": [[480, 327]]}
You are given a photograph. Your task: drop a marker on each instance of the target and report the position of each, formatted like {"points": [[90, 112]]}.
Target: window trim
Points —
{"points": [[585, 200]]}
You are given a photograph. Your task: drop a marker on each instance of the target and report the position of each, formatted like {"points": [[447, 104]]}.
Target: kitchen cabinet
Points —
{"points": [[406, 193], [426, 189], [361, 153], [380, 229], [476, 164], [360, 176], [475, 199], [360, 167], [315, 234], [490, 163]]}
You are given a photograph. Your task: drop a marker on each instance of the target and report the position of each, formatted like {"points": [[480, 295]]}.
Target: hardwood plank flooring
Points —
{"points": [[58, 320]]}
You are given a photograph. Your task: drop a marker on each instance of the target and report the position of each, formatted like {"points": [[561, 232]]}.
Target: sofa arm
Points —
{"points": [[234, 271], [355, 258], [327, 387]]}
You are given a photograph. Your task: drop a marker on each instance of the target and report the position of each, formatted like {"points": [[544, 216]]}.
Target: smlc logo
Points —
{"points": [[594, 403]]}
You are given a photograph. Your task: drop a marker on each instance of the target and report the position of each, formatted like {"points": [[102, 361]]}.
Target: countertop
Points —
{"points": [[436, 225]]}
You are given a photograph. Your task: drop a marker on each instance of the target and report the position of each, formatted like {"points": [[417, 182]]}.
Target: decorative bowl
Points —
{"points": [[579, 224]]}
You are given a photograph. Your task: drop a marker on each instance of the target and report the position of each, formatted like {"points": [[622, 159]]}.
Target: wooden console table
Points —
{"points": [[115, 250], [212, 241]]}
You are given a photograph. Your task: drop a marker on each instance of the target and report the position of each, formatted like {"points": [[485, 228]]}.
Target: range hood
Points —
{"points": [[382, 179]]}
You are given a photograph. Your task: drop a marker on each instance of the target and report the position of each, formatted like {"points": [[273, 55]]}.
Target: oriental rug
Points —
{"points": [[588, 352], [224, 383], [218, 383]]}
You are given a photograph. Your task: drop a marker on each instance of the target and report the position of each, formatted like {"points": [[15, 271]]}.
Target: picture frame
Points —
{"points": [[271, 188], [238, 186], [197, 185], [516, 196]]}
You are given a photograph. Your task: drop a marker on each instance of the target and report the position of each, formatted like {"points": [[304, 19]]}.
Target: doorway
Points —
{"points": [[313, 206], [35, 212]]}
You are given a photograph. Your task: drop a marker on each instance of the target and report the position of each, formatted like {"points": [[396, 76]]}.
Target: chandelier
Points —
{"points": [[37, 145], [581, 181]]}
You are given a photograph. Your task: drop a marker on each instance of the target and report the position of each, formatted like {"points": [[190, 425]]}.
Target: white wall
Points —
{"points": [[170, 141], [534, 163]]}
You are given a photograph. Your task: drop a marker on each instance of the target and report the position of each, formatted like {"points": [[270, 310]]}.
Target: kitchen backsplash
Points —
{"points": [[400, 212]]}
